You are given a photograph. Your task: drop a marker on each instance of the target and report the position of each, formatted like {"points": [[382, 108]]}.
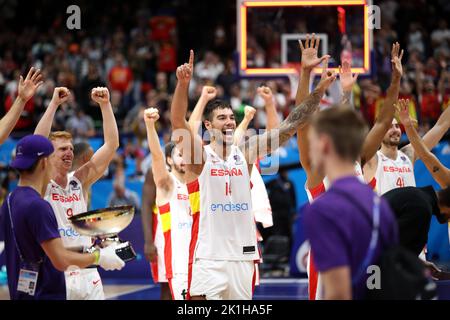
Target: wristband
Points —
{"points": [[97, 256]]}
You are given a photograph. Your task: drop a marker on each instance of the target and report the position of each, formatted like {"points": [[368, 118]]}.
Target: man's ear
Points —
{"points": [[207, 124], [326, 144], [44, 163]]}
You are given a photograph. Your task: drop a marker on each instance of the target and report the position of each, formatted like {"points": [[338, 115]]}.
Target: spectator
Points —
{"points": [[120, 76], [81, 126], [122, 196], [210, 67], [89, 82]]}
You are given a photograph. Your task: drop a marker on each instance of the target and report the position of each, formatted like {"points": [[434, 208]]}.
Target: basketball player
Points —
{"points": [[315, 183], [26, 89], [440, 173], [260, 199], [67, 193], [172, 199], [392, 168], [223, 244], [153, 236]]}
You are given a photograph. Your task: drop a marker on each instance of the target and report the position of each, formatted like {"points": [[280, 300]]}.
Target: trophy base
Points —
{"points": [[126, 252]]}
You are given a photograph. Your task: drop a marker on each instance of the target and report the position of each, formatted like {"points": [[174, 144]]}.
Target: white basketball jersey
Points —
{"points": [[225, 226], [312, 194], [176, 222], [68, 202], [392, 174]]}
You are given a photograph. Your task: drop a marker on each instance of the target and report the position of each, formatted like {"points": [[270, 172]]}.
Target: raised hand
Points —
{"points": [[327, 78], [184, 72], [60, 95], [209, 92], [266, 94], [309, 52], [27, 88], [402, 107], [100, 95], [249, 112], [346, 78], [396, 60], [151, 115]]}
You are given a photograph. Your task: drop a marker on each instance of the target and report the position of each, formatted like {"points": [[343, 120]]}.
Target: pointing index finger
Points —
{"points": [[191, 58]]}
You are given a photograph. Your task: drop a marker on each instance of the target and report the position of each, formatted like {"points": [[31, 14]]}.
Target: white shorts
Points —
{"points": [[179, 286], [84, 284], [222, 280]]}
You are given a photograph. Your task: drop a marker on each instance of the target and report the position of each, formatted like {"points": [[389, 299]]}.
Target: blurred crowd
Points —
{"points": [[134, 49]]}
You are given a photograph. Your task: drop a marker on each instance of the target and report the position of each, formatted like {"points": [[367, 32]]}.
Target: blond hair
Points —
{"points": [[60, 135]]}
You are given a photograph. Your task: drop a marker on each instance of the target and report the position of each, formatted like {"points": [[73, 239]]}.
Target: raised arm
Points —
{"points": [[190, 143], [26, 89], [347, 81], [195, 120], [269, 104], [94, 168], [384, 121], [249, 113], [433, 136], [439, 172], [309, 61], [259, 146], [44, 127], [160, 173]]}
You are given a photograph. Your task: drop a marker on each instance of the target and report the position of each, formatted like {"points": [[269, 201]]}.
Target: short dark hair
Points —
{"points": [[346, 128], [214, 105], [168, 150], [80, 148]]}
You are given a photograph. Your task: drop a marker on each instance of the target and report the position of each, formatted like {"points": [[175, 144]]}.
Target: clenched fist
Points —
{"points": [[100, 95], [249, 112], [60, 95], [209, 92], [265, 93], [151, 115]]}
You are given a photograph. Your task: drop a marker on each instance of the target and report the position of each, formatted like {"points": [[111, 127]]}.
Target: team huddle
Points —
{"points": [[209, 191]]}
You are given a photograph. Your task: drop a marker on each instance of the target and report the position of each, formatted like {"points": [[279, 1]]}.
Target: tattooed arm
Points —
{"points": [[439, 172], [261, 145]]}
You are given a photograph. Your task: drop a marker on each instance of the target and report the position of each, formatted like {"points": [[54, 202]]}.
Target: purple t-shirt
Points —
{"points": [[339, 231], [34, 222]]}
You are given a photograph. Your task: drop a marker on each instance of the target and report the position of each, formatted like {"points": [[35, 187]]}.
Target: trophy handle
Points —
{"points": [[126, 252], [124, 249]]}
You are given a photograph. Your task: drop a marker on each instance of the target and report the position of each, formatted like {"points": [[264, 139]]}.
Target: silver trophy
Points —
{"points": [[104, 225]]}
